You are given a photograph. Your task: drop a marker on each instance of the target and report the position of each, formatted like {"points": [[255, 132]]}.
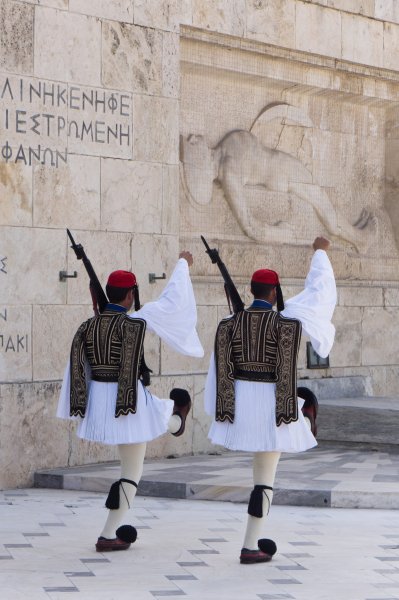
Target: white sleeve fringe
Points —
{"points": [[315, 305], [173, 317]]}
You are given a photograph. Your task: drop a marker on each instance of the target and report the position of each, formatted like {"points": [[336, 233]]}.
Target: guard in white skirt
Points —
{"points": [[103, 387], [251, 388]]}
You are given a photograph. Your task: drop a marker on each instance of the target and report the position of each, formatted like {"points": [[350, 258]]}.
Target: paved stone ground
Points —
{"points": [[329, 476], [190, 549]]}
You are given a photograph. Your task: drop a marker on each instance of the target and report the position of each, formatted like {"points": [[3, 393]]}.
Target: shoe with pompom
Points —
{"points": [[125, 536]]}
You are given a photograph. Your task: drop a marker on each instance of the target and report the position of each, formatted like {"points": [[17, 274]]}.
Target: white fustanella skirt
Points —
{"points": [[254, 428], [100, 424]]}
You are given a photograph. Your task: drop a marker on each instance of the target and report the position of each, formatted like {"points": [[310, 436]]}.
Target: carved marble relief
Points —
{"points": [[246, 159]]}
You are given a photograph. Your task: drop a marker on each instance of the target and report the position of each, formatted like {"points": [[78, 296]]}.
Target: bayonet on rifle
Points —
{"points": [[230, 289], [99, 298]]}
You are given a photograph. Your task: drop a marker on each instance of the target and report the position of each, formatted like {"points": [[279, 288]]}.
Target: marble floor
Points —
{"points": [[326, 476], [189, 549]]}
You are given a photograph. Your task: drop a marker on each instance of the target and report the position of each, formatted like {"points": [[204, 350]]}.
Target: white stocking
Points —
{"points": [[132, 460], [264, 472]]}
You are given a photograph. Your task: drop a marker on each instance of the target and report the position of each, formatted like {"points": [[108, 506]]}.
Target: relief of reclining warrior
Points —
{"points": [[241, 160]]}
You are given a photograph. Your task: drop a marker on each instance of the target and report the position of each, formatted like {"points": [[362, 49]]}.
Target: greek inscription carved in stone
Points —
{"points": [[40, 121], [3, 265], [14, 343]]}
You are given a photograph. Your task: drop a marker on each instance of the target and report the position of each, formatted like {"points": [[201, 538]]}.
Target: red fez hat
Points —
{"points": [[265, 276], [122, 279]]}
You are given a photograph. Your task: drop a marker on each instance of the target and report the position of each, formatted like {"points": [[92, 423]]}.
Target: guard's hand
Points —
{"points": [[321, 243], [188, 256]]}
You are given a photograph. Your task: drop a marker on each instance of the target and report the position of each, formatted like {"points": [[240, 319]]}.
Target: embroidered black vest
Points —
{"points": [[257, 345], [112, 345]]}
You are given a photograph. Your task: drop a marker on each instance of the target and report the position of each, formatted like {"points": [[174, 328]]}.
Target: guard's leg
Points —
{"points": [[264, 472], [121, 496]]}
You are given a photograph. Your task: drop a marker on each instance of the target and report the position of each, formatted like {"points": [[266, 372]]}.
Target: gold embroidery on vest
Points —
{"points": [[257, 345]]}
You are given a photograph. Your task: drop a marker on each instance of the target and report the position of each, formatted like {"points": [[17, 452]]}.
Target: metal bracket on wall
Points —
{"points": [[152, 277], [64, 275]]}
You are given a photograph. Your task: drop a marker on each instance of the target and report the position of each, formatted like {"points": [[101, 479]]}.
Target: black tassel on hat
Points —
{"points": [[136, 298], [255, 506], [280, 299], [113, 500]]}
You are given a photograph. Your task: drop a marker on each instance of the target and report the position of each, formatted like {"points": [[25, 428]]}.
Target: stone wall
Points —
{"points": [[112, 121]]}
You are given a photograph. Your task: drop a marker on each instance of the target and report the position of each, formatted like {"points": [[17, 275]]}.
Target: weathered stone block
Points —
{"points": [[31, 264], [68, 196], [27, 414], [225, 16], [16, 343], [366, 420], [318, 30], [380, 324], [338, 386], [132, 58], [348, 323], [362, 40], [117, 10], [201, 421], [272, 21], [16, 37], [50, 3], [136, 189], [170, 199], [171, 65], [391, 44], [388, 10], [15, 207], [69, 44], [391, 297], [360, 296], [152, 352], [53, 328], [366, 7], [163, 14], [156, 129]]}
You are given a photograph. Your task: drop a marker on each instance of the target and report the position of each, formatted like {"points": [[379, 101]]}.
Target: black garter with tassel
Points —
{"points": [[113, 498], [255, 506]]}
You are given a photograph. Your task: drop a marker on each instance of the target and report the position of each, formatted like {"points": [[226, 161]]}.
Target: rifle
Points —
{"points": [[100, 300], [98, 296], [229, 287]]}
